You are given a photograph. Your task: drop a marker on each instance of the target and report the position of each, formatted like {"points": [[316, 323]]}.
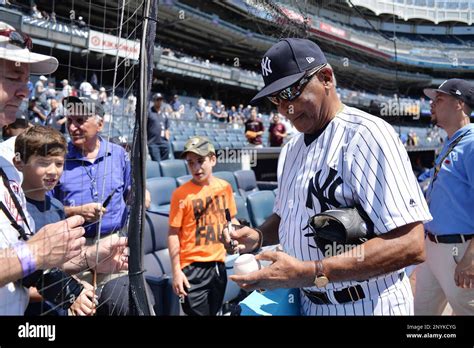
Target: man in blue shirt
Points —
{"points": [[447, 275], [95, 169]]}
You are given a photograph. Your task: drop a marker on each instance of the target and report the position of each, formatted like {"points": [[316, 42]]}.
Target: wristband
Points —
{"points": [[260, 240], [26, 258]]}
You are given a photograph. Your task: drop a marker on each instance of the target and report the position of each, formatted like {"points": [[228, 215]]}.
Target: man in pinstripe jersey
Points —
{"points": [[344, 157]]}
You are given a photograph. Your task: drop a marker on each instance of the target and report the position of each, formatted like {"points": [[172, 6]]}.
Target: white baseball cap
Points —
{"points": [[15, 47]]}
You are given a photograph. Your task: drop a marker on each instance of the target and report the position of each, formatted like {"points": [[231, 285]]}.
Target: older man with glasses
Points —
{"points": [[343, 158]]}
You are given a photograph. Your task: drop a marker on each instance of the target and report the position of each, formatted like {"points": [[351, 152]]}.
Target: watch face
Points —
{"points": [[321, 281]]}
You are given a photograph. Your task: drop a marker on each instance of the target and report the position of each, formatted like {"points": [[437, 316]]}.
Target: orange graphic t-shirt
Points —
{"points": [[199, 213]]}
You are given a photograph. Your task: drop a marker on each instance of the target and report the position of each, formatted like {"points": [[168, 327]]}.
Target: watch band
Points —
{"points": [[27, 260], [260, 239]]}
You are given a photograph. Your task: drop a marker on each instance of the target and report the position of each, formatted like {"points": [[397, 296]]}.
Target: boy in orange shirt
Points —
{"points": [[197, 217]]}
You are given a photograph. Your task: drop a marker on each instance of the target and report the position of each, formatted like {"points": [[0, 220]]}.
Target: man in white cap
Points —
{"points": [[55, 245], [67, 89]]}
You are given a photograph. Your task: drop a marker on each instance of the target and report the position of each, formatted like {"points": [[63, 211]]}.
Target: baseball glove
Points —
{"points": [[339, 230], [251, 134]]}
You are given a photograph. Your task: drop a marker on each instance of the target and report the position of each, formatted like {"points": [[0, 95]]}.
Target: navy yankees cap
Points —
{"points": [[286, 62], [457, 88]]}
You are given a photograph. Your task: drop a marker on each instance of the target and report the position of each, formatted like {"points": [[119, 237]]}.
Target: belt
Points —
{"points": [[349, 294], [449, 238]]}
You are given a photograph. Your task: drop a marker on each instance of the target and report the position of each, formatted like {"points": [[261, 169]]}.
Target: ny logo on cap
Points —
{"points": [[266, 69], [309, 60]]}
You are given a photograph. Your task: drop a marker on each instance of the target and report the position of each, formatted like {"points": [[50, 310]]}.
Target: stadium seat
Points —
{"points": [[183, 179], [173, 168], [160, 190], [152, 169], [225, 144], [260, 206], [157, 264], [229, 177], [181, 137], [242, 212], [246, 181], [177, 146]]}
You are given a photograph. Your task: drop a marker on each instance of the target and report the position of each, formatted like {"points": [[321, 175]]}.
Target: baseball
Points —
{"points": [[246, 263]]}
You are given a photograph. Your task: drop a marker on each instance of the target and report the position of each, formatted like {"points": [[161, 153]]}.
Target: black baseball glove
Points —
{"points": [[339, 230]]}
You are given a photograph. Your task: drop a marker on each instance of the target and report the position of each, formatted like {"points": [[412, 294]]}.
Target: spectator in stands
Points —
{"points": [[51, 91], [86, 89], [277, 131], [218, 112], [103, 97], [56, 118], [36, 114], [209, 110], [232, 114], [35, 13], [447, 275], [197, 255], [81, 23], [201, 109], [247, 112], [131, 104], [16, 128], [53, 17], [177, 107], [94, 170], [254, 129], [158, 130], [40, 90], [5, 3], [67, 89]]}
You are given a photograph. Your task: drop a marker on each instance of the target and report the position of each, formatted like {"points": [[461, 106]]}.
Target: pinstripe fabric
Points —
{"points": [[358, 159]]}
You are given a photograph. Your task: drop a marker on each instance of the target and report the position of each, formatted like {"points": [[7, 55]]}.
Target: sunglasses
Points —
{"points": [[294, 91], [17, 38]]}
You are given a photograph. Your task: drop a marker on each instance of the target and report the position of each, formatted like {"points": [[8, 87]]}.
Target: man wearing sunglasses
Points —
{"points": [[22, 249], [343, 158]]}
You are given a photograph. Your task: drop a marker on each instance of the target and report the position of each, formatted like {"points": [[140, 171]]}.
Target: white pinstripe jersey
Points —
{"points": [[357, 159]]}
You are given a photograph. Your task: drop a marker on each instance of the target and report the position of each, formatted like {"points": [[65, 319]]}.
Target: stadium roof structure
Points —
{"points": [[436, 11]]}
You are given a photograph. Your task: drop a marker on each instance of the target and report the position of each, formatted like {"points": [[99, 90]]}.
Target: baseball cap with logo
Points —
{"points": [[82, 106], [15, 47], [286, 62], [457, 88], [199, 145]]}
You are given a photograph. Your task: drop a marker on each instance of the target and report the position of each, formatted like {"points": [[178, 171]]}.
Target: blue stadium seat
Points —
{"points": [[181, 137], [246, 181], [160, 190], [177, 146], [173, 168], [242, 212], [152, 169], [260, 206], [157, 264], [229, 177], [225, 144], [183, 179]]}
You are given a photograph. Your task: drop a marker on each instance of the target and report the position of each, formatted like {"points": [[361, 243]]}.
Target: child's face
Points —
{"points": [[42, 173], [200, 167]]}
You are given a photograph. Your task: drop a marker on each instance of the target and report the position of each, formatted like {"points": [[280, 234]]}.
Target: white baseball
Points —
{"points": [[246, 263]]}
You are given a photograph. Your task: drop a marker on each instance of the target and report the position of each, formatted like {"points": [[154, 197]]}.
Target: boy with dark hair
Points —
{"points": [[197, 218], [39, 155]]}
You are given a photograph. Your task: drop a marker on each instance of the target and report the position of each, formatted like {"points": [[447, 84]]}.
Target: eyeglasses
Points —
{"points": [[17, 38], [294, 91]]}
